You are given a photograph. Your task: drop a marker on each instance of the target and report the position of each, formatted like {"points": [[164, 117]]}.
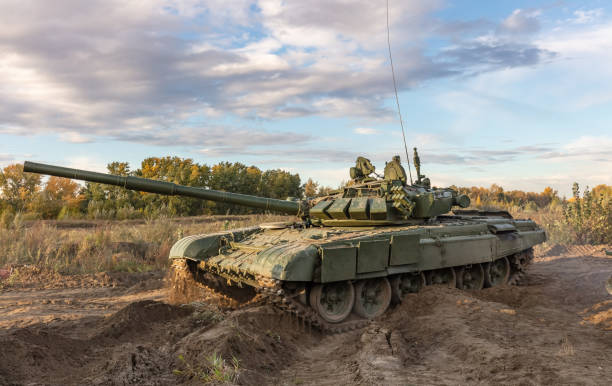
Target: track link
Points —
{"points": [[290, 304]]}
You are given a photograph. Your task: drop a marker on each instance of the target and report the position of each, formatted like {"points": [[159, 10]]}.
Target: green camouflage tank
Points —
{"points": [[350, 254]]}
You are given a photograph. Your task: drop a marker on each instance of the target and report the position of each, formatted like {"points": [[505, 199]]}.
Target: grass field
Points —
{"points": [[86, 246]]}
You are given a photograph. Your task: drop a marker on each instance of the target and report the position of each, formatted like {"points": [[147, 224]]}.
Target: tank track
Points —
{"points": [[289, 303], [287, 300], [274, 293]]}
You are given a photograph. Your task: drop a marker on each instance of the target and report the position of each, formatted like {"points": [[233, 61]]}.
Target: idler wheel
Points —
{"points": [[372, 297], [442, 276], [471, 278], [497, 272], [333, 301], [407, 283]]}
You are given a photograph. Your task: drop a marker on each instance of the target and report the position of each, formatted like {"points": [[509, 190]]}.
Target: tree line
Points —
{"points": [[585, 217]]}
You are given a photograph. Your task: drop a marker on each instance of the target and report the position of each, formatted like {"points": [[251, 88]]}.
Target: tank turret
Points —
{"points": [[366, 201]]}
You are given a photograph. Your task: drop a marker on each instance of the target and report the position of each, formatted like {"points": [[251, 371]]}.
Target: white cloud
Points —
{"points": [[586, 148], [331, 177], [148, 70], [74, 137], [6, 159], [337, 24], [428, 139], [572, 42], [366, 131], [86, 163], [9, 159], [157, 64], [584, 74], [587, 16], [521, 22]]}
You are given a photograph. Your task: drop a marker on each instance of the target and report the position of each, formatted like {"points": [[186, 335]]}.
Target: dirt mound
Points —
{"points": [[137, 318], [443, 336], [150, 342], [133, 364], [257, 341], [46, 351]]}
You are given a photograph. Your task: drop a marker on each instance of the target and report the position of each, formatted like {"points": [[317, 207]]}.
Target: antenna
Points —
{"points": [[399, 112]]}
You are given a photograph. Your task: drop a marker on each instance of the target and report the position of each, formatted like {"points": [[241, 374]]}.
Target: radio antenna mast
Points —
{"points": [[399, 112]]}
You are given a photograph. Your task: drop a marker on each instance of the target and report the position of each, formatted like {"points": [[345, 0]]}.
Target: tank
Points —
{"points": [[348, 255]]}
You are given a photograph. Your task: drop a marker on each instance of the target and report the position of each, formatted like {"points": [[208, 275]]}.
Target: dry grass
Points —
{"points": [[560, 230], [132, 246]]}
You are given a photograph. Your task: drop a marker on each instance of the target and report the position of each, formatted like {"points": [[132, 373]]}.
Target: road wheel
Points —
{"points": [[471, 278], [406, 283], [497, 272], [372, 297], [333, 301], [442, 276]]}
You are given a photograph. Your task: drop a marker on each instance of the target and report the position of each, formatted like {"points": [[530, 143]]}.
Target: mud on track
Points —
{"points": [[555, 328]]}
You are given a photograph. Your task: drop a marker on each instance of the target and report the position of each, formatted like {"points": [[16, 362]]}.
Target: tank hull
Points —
{"points": [[325, 255], [294, 260]]}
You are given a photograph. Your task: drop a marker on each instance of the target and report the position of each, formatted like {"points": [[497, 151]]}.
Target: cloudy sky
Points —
{"points": [[515, 92]]}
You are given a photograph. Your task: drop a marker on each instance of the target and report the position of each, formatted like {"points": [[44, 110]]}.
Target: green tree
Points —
{"points": [[108, 201], [280, 184], [236, 178], [182, 171]]}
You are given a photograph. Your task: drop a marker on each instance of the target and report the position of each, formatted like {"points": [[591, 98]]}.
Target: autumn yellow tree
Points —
{"points": [[59, 195], [310, 188], [18, 188], [59, 188]]}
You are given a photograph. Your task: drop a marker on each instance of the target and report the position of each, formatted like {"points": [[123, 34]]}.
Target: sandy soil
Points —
{"points": [[555, 328]]}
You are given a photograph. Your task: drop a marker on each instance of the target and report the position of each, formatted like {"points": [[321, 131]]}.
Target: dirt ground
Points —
{"points": [[553, 329]]}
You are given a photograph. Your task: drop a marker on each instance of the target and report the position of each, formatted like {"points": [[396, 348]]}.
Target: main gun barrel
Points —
{"points": [[167, 188]]}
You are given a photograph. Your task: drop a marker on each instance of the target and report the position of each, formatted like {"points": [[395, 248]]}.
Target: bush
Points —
{"points": [[589, 217]]}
